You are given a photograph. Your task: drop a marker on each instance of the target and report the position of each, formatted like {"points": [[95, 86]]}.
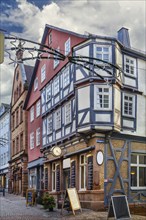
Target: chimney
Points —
{"points": [[123, 37]]}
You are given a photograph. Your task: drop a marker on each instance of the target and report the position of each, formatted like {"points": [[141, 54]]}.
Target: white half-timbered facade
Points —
{"points": [[96, 103]]}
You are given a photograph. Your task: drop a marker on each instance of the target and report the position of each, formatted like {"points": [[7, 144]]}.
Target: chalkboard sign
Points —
{"points": [[30, 197], [74, 199], [58, 178], [119, 207]]}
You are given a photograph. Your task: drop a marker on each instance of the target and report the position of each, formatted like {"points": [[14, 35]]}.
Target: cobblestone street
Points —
{"points": [[14, 208]]}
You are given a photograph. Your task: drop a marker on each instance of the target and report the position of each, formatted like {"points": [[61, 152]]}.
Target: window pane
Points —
{"points": [[82, 177], [142, 176], [142, 159], [134, 159], [99, 48], [133, 176]]}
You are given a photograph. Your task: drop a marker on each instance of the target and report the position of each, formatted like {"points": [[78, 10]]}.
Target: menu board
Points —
{"points": [[58, 178], [74, 199], [46, 178], [30, 197]]}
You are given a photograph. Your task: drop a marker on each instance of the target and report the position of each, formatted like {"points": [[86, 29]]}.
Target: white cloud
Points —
{"points": [[97, 17]]}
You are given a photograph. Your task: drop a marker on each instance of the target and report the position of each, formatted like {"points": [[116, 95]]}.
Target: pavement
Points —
{"points": [[13, 207]]}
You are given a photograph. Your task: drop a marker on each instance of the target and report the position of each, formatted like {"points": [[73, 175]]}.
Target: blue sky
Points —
{"points": [[27, 19]]}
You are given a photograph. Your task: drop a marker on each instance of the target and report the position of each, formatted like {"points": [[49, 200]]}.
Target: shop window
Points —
{"points": [[138, 171]]}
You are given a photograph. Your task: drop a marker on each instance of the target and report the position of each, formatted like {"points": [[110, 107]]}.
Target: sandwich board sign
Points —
{"points": [[74, 201], [119, 208], [30, 197]]}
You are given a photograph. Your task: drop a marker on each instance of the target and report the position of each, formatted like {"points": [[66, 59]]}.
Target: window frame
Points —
{"points": [[84, 165], [38, 137], [67, 46], [102, 53], [56, 61], [67, 113], [31, 140], [133, 102], [58, 119], [32, 114], [48, 93], [43, 73], [101, 97], [49, 124], [36, 84], [38, 108], [130, 66], [137, 165], [56, 85], [66, 77]]}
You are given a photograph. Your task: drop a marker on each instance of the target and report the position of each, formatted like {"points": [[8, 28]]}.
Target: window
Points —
{"points": [[17, 144], [38, 137], [129, 66], [32, 140], [67, 47], [102, 53], [56, 85], [138, 171], [50, 38], [32, 114], [36, 84], [21, 113], [17, 118], [129, 103], [38, 108], [66, 78], [49, 124], [68, 113], [56, 60], [102, 98], [48, 93], [21, 141], [58, 119], [43, 73], [82, 172]]}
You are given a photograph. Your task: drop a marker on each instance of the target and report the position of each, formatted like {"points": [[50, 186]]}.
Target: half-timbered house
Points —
{"points": [[94, 118]]}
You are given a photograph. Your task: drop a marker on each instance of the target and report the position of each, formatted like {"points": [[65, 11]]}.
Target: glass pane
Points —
{"points": [[133, 176], [142, 159], [142, 176], [134, 158], [82, 177], [82, 159], [98, 48], [99, 56], [105, 49]]}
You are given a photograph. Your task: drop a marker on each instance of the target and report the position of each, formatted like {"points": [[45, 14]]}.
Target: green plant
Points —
{"points": [[48, 201]]}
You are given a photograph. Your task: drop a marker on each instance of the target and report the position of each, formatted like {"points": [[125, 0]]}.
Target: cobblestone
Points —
{"points": [[14, 207]]}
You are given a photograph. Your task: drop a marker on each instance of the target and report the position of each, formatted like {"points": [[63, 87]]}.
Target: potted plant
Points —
{"points": [[48, 202]]}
